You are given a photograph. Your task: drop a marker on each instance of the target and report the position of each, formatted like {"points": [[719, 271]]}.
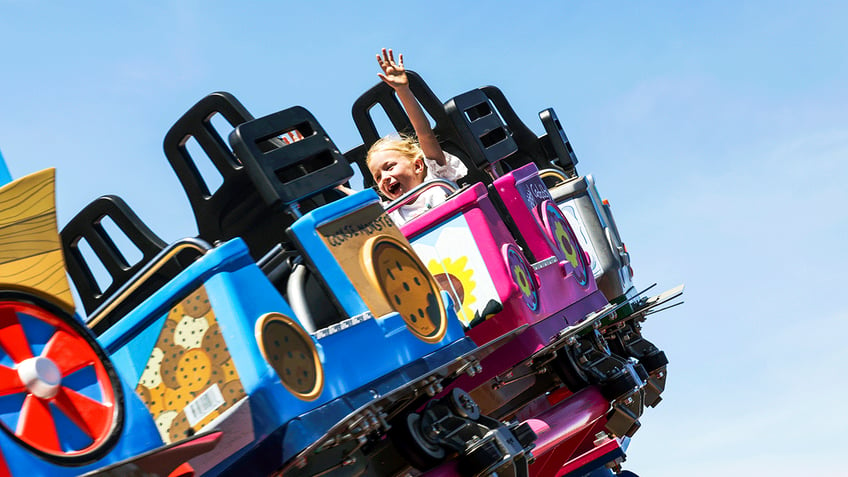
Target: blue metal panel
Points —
{"points": [[313, 245], [4, 171]]}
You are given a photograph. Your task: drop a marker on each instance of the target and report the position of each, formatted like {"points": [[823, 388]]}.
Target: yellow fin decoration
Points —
{"points": [[31, 255]]}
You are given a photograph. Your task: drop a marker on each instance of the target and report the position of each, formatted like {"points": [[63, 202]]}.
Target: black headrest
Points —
{"points": [[302, 161], [556, 143], [236, 208], [481, 128], [547, 151]]}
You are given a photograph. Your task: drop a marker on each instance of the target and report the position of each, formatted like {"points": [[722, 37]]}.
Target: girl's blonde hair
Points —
{"points": [[405, 144]]}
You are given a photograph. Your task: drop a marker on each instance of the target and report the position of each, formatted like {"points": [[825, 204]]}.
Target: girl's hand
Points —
{"points": [[393, 72]]}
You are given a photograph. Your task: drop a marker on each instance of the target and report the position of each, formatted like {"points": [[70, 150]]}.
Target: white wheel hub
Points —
{"points": [[40, 376]]}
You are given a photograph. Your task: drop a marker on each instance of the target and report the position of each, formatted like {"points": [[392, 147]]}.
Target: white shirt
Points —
{"points": [[453, 170]]}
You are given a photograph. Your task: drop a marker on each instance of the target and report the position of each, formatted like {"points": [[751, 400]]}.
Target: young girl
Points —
{"points": [[399, 163]]}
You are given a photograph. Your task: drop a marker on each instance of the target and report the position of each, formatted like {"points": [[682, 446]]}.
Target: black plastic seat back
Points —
{"points": [[481, 129], [551, 150], [383, 96], [555, 142], [88, 226], [287, 174], [235, 209], [295, 174]]}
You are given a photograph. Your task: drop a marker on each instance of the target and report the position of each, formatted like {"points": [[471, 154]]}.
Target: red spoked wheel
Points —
{"points": [[59, 395]]}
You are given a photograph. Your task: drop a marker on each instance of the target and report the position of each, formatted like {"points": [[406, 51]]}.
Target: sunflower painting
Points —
{"points": [[455, 262], [453, 277]]}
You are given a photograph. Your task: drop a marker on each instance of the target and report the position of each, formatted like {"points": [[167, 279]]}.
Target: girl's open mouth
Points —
{"points": [[394, 189]]}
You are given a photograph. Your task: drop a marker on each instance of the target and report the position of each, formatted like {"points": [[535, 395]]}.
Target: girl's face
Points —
{"points": [[394, 173]]}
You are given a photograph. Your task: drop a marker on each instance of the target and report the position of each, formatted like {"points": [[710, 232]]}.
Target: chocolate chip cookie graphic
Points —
{"points": [[171, 356], [189, 332], [194, 371], [197, 304], [179, 428], [232, 392], [214, 345], [151, 377]]}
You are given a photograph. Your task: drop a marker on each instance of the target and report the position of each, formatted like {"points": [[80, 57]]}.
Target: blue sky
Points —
{"points": [[717, 130]]}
